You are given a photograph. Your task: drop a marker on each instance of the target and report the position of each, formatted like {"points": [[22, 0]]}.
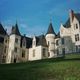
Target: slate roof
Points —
{"points": [[28, 41], [58, 35], [67, 24], [15, 30], [1, 40], [40, 40], [77, 15], [50, 29], [2, 30]]}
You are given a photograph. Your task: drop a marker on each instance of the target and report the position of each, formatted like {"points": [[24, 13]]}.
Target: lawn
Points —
{"points": [[49, 69]]}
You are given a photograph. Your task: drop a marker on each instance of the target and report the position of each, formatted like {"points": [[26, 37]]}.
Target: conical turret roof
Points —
{"points": [[15, 30], [2, 30], [50, 29]]}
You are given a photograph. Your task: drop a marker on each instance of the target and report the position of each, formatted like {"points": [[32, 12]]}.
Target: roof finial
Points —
{"points": [[50, 18], [16, 22]]}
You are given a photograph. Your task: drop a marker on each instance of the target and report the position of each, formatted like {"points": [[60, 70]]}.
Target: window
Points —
{"points": [[44, 52], [77, 37], [57, 42], [77, 48], [15, 50], [63, 51], [62, 40], [76, 26], [16, 40], [23, 53], [33, 53], [6, 41]]}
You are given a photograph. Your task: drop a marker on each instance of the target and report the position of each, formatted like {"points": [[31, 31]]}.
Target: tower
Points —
{"points": [[50, 38], [14, 45]]}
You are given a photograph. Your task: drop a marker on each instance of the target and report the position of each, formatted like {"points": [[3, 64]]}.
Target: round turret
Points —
{"points": [[50, 38]]}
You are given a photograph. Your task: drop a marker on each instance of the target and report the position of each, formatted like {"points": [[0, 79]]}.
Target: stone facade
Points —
{"points": [[19, 48]]}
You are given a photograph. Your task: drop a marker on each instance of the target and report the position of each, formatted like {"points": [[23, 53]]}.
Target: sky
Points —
{"points": [[33, 16]]}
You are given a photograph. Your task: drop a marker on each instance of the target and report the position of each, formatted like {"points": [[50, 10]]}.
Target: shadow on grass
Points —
{"points": [[55, 60]]}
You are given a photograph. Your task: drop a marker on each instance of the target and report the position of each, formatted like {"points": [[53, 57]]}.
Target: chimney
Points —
{"points": [[71, 13]]}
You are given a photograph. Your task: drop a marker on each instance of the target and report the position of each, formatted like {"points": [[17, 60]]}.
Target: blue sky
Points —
{"points": [[33, 16]]}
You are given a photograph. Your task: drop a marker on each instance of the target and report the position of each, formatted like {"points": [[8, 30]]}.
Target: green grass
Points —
{"points": [[49, 69]]}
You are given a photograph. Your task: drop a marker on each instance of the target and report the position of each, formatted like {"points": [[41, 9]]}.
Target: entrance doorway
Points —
{"points": [[14, 60]]}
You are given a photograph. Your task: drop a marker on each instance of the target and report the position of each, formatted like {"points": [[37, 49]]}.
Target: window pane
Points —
{"points": [[77, 37]]}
